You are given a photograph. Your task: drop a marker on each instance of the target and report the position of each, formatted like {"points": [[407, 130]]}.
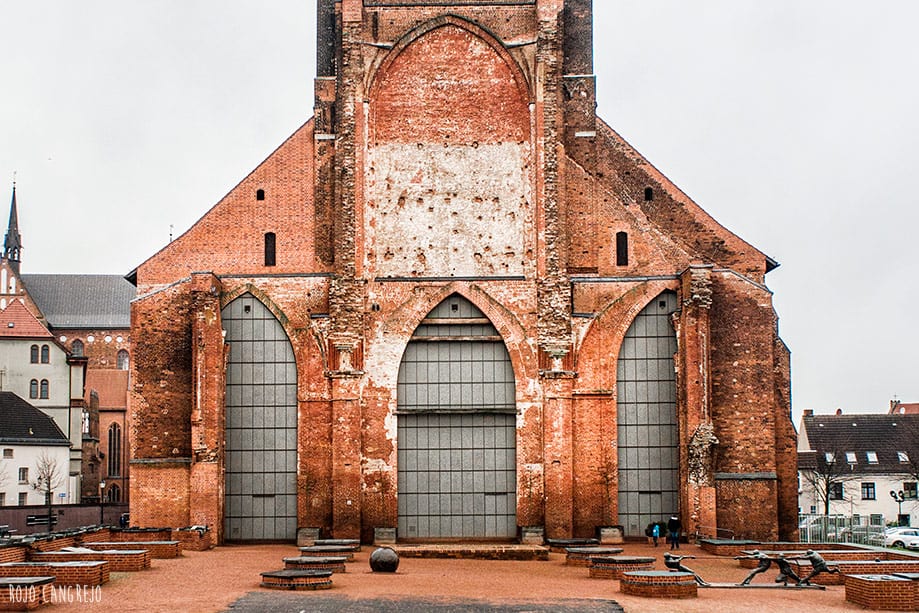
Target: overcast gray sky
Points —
{"points": [[793, 122]]}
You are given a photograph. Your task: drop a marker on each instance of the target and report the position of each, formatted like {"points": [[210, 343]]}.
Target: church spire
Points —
{"points": [[12, 244]]}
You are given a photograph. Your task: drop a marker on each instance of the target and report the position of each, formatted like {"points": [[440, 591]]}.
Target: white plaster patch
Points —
{"points": [[458, 210]]}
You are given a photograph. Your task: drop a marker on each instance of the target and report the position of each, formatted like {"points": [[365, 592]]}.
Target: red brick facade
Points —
{"points": [[454, 150]]}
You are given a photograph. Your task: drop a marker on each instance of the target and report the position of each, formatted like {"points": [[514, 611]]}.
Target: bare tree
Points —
{"points": [[827, 473], [48, 477]]}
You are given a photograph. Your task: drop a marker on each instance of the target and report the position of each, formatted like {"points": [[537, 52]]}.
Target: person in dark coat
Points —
{"points": [[673, 531]]}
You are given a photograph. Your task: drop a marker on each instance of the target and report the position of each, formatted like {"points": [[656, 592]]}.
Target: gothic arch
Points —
{"points": [[608, 329], [382, 64]]}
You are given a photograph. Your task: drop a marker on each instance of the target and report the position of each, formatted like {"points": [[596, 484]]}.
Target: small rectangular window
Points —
{"points": [[909, 490], [872, 457], [835, 491], [7, 454], [2, 499], [24, 474], [868, 491], [270, 249], [23, 498], [850, 458]]}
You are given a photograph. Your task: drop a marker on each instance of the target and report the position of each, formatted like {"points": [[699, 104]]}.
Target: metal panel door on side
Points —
{"points": [[261, 425], [647, 428], [457, 429]]}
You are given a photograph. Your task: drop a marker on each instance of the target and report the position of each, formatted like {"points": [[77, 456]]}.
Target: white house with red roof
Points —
{"points": [[35, 367]]}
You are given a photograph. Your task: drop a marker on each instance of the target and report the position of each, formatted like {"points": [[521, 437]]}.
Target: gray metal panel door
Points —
{"points": [[647, 429], [457, 429], [261, 425]]}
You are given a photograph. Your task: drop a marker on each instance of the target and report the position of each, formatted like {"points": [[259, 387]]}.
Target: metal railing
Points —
{"points": [[814, 528]]}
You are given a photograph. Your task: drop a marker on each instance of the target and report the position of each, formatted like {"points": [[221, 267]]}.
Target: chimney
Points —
{"points": [[808, 412], [839, 411]]}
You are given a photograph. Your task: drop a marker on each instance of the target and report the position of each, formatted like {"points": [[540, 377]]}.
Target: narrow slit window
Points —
{"points": [[622, 249], [260, 194], [649, 194], [270, 252]]}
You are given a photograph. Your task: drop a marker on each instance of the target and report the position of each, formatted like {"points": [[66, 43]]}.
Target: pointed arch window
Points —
{"points": [[45, 354], [114, 450], [123, 360], [76, 348], [33, 357]]}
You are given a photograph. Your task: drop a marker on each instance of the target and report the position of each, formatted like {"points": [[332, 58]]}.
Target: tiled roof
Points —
{"points": [[23, 424], [17, 322], [905, 408], [110, 385], [82, 301], [884, 435]]}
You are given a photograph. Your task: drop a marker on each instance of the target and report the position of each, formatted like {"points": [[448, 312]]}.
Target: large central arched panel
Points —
{"points": [[456, 433], [647, 429], [261, 425], [448, 186]]}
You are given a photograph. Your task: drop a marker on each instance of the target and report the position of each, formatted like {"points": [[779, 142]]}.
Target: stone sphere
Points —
{"points": [[384, 560]]}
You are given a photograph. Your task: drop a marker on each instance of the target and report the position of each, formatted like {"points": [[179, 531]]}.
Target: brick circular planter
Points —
{"points": [[297, 579], [580, 556], [336, 564], [614, 567], [346, 551], [659, 584]]}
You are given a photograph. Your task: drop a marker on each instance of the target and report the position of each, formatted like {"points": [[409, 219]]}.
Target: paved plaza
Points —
{"points": [[227, 579]]}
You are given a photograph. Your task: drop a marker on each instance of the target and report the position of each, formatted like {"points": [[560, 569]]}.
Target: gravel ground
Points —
{"points": [[227, 579]]}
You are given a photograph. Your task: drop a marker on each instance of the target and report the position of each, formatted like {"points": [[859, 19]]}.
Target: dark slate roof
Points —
{"points": [[23, 424], [885, 435], [82, 301]]}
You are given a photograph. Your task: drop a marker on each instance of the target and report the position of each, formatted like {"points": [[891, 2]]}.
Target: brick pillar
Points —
{"points": [[346, 455], [206, 485], [559, 449], [697, 438]]}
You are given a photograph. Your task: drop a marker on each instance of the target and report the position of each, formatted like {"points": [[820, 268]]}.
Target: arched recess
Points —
{"points": [[449, 155], [456, 397], [261, 424], [647, 424]]}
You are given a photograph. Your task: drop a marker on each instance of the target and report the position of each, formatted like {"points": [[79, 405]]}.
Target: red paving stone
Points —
{"points": [[209, 581]]}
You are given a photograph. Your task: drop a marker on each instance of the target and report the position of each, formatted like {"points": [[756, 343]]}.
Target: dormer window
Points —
{"points": [[872, 457], [850, 458], [903, 457], [830, 457]]}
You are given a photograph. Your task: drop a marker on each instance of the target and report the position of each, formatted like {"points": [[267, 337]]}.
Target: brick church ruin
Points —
{"points": [[456, 303]]}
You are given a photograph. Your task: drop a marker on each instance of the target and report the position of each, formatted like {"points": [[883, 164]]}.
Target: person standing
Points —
{"points": [[673, 531], [656, 532]]}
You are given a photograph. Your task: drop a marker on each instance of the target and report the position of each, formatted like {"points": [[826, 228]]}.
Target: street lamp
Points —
{"points": [[899, 498], [102, 502]]}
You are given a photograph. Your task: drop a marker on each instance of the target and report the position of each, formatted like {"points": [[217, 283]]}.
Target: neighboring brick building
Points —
{"points": [[457, 303]]}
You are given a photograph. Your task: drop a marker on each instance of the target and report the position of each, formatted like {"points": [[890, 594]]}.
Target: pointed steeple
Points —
{"points": [[12, 244]]}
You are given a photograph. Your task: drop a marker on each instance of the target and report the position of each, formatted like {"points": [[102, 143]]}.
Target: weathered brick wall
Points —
{"points": [[84, 573], [100, 346], [456, 146], [129, 561]]}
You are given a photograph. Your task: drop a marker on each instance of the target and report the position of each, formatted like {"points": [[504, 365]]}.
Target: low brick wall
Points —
{"points": [[53, 543], [12, 553], [615, 567], [859, 567], [833, 555], [64, 573], [883, 592], [659, 584], [161, 550], [25, 594], [134, 535], [192, 540], [720, 547], [119, 561]]}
